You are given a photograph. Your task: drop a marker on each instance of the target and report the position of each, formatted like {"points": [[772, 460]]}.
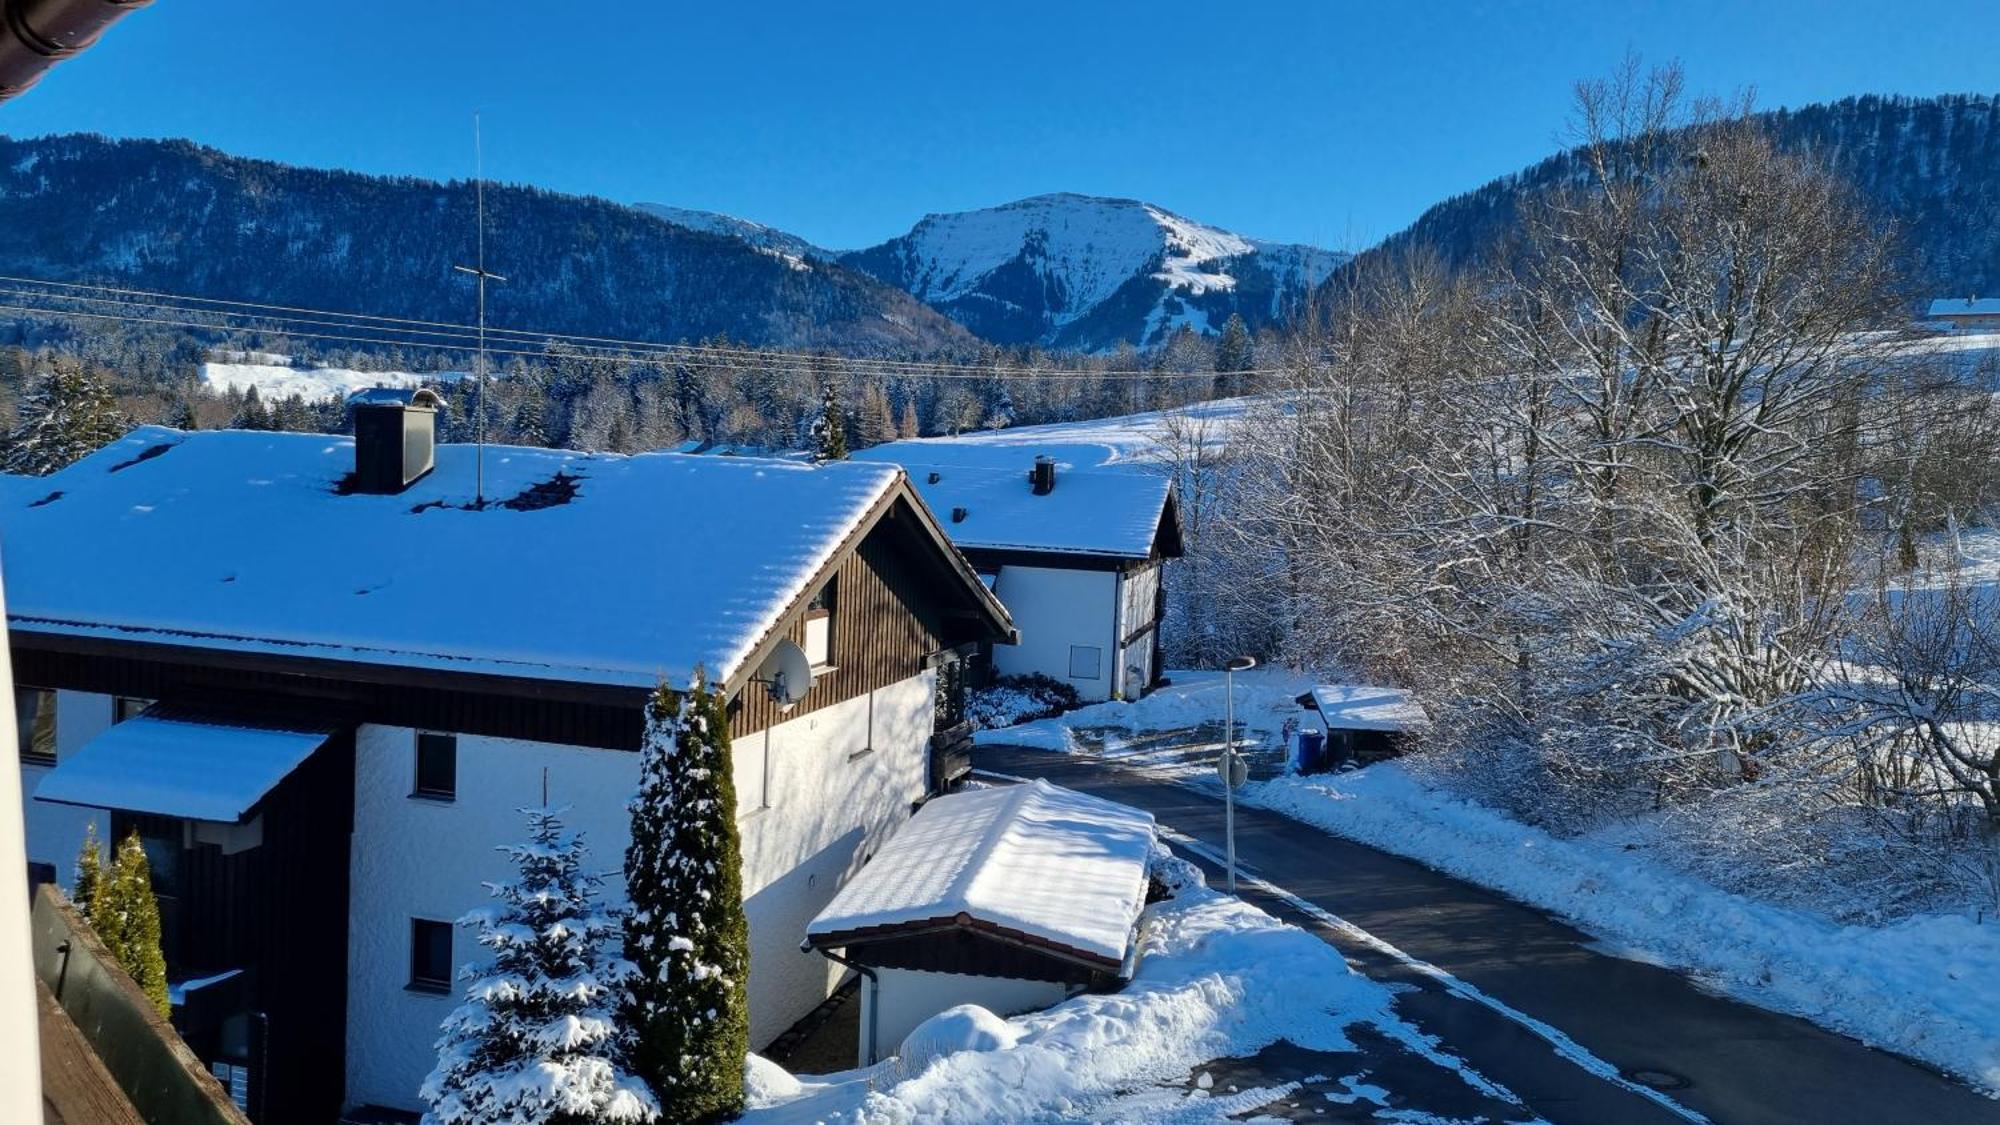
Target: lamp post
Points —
{"points": [[1228, 764]]}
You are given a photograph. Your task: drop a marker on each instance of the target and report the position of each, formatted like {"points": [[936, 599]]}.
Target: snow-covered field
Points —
{"points": [[1218, 979], [276, 380], [1921, 986]]}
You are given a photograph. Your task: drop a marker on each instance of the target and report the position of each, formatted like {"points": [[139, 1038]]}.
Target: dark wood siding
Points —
{"points": [[199, 678], [278, 911], [885, 623]]}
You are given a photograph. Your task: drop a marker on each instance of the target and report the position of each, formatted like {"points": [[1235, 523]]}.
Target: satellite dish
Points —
{"points": [[787, 674]]}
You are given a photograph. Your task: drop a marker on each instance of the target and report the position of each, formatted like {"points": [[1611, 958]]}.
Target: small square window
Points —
{"points": [[36, 712], [127, 707], [1085, 662], [437, 766], [430, 955]]}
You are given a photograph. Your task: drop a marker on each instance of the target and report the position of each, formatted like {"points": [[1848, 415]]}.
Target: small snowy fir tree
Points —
{"points": [[66, 417], [126, 917], [686, 934], [89, 880], [829, 427], [537, 1040]]}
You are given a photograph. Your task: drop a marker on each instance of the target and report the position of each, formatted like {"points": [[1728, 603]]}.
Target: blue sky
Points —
{"points": [[1319, 122]]}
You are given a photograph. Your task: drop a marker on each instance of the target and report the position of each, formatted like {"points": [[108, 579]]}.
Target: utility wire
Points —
{"points": [[442, 335]]}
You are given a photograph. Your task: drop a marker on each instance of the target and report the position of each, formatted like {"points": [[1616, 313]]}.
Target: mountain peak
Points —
{"points": [[1070, 270]]}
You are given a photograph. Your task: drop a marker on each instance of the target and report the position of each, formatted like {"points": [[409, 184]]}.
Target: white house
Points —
{"points": [[1011, 898], [1073, 546], [1966, 314], [320, 678]]}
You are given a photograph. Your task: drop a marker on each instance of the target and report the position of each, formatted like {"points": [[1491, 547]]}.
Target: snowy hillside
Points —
{"points": [[1087, 272], [781, 244], [275, 378]]}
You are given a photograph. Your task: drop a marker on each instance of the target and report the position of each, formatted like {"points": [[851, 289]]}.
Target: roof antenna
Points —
{"points": [[479, 271]]}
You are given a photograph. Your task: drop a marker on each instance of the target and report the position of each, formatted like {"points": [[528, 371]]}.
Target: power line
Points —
{"points": [[307, 323]]}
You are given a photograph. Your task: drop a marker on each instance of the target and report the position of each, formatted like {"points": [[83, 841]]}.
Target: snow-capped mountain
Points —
{"points": [[771, 240], [1079, 271]]}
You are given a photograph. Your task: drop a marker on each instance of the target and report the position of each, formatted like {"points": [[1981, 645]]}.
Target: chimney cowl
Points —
{"points": [[1042, 479], [395, 437]]}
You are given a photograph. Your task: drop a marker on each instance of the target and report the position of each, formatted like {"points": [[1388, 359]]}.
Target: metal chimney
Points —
{"points": [[395, 437], [37, 34], [1043, 478]]}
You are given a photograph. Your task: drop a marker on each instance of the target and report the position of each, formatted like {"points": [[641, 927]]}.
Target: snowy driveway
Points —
{"points": [[1579, 1035]]}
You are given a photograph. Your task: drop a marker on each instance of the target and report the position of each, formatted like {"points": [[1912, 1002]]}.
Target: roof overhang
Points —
{"points": [[181, 766]]}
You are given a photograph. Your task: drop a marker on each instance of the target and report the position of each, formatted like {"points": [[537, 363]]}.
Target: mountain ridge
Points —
{"points": [[184, 218], [1070, 270]]}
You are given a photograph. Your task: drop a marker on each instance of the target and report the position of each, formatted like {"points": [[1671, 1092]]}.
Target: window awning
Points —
{"points": [[198, 768]]}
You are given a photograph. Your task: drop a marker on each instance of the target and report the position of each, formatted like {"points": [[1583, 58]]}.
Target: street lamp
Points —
{"points": [[1230, 767]]}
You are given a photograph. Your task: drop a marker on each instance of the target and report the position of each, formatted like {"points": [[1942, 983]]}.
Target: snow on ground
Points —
{"points": [[1217, 979], [1914, 986], [276, 380]]}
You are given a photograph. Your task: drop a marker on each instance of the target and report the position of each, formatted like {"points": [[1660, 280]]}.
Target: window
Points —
{"points": [[36, 712], [819, 627], [235, 1078], [437, 767], [430, 955], [126, 707], [1084, 662], [948, 703]]}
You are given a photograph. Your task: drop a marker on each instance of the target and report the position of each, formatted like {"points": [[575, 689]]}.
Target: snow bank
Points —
{"points": [[1913, 987], [1219, 978]]}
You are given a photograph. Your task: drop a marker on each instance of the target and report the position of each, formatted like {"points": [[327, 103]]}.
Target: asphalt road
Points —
{"points": [[1667, 1039]]}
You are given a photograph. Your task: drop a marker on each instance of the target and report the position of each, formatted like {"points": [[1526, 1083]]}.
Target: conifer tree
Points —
{"points": [[875, 423], [537, 1040], [126, 917], [1233, 354], [67, 416], [181, 415], [909, 427], [829, 427], [253, 416], [686, 934], [89, 879]]}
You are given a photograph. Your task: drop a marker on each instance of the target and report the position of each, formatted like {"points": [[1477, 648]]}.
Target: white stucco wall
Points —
{"points": [[907, 997], [55, 832], [1055, 609], [824, 806]]}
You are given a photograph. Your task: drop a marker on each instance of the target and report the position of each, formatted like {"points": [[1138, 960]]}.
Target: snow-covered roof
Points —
{"points": [[1101, 509], [584, 568], [1050, 865], [1965, 306], [1361, 707], [179, 766]]}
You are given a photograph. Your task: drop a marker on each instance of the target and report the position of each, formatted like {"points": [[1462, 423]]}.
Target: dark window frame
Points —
{"points": [[125, 707], [822, 608], [421, 951], [39, 730], [424, 785]]}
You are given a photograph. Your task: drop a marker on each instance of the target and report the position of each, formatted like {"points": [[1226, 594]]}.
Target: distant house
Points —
{"points": [[1011, 898], [1976, 314], [321, 694], [1074, 549]]}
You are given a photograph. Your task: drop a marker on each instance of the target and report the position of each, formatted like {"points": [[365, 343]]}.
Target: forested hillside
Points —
{"points": [[1931, 165], [174, 216]]}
